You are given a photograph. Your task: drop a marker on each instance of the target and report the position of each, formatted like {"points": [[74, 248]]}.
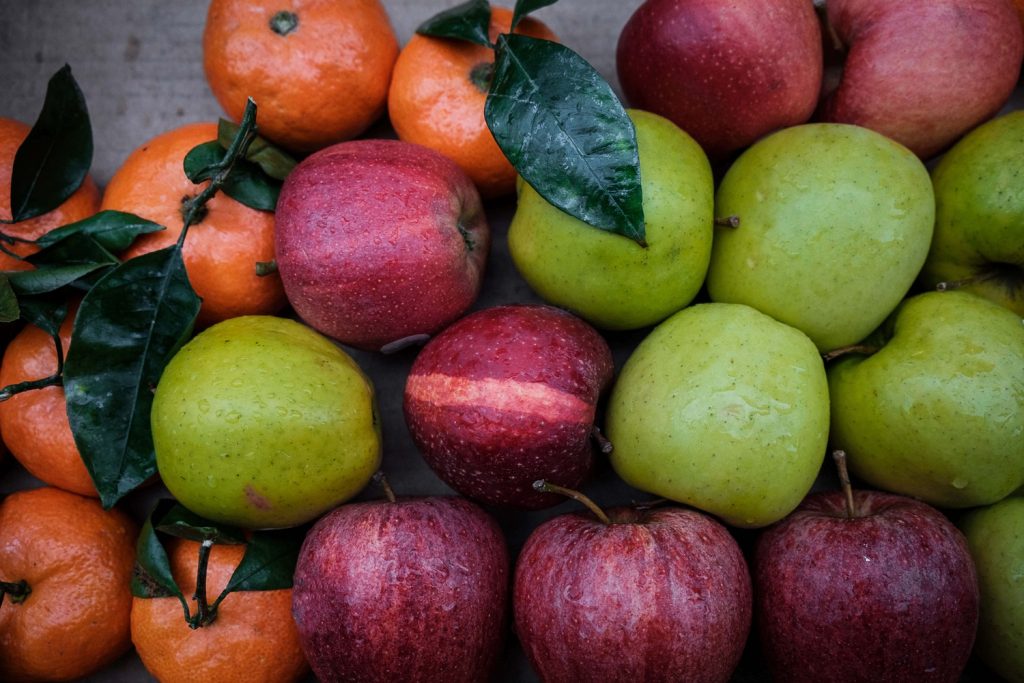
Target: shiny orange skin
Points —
{"points": [[252, 640], [83, 203], [222, 250], [77, 558], [434, 102], [323, 82], [34, 423]]}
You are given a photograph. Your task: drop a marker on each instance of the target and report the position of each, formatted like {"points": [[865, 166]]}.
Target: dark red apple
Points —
{"points": [[506, 396], [889, 594], [924, 72], [379, 240], [660, 595], [726, 72], [413, 590]]}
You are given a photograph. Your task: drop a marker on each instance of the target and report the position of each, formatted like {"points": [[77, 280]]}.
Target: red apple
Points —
{"points": [[888, 594], [654, 595], [409, 591], [379, 240], [924, 72], [726, 72], [507, 396]]}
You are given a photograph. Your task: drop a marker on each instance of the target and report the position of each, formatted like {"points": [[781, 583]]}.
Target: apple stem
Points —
{"points": [[544, 486], [839, 456], [382, 481], [204, 615], [404, 343], [950, 285], [17, 591], [603, 444], [265, 268], [862, 349], [727, 222], [648, 504]]}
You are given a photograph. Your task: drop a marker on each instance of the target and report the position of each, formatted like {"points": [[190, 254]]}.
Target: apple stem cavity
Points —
{"points": [[839, 456], [17, 591], [204, 614], [404, 343], [863, 349], [382, 481], [544, 486], [727, 221], [603, 444]]}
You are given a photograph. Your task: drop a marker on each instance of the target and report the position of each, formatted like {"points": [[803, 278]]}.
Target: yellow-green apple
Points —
{"points": [[380, 240], [883, 593], [938, 411], [658, 595], [606, 278], [410, 590], [834, 223], [507, 396], [725, 72], [995, 536], [979, 214], [723, 408], [261, 422], [923, 72]]}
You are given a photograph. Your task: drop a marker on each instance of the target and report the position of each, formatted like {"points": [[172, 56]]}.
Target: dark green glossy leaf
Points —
{"points": [[114, 230], [152, 577], [524, 7], [129, 326], [50, 279], [246, 183], [470, 21], [9, 309], [566, 133], [53, 160], [47, 312], [268, 563], [274, 161], [62, 263], [181, 522]]}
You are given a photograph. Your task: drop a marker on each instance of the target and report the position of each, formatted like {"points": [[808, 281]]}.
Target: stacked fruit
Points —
{"points": [[800, 289]]}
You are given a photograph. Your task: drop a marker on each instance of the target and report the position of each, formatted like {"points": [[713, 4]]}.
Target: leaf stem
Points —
{"points": [[56, 379], [204, 614], [17, 590], [544, 486]]}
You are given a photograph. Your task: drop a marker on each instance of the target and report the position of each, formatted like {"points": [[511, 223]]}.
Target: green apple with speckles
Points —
{"points": [[995, 536], [834, 226], [606, 278], [937, 412], [979, 214], [723, 408], [263, 423]]}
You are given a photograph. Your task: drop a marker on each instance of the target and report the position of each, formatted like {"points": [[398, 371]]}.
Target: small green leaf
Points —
{"points": [[202, 160], [268, 563], [181, 522], [114, 230], [566, 133], [152, 577], [55, 157], [61, 264], [470, 21], [47, 312], [275, 162], [43, 280], [524, 7], [9, 309], [128, 327], [246, 183]]}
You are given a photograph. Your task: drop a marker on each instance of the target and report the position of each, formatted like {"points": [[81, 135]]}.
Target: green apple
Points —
{"points": [[995, 536], [609, 279], [263, 423], [723, 408], [938, 412], [834, 225], [979, 214]]}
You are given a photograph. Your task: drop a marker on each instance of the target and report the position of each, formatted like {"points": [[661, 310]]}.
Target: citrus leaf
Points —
{"points": [[43, 280], [470, 21], [45, 312], [9, 309], [524, 7], [114, 230], [62, 264], [273, 161], [202, 160], [566, 133], [246, 183], [181, 522], [128, 327], [268, 563], [53, 160], [152, 577]]}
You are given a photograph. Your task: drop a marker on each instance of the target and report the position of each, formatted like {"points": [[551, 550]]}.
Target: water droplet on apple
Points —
{"points": [[233, 417], [204, 405], [959, 483], [572, 593]]}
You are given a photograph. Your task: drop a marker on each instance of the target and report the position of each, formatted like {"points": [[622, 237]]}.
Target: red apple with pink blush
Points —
{"points": [[506, 396]]}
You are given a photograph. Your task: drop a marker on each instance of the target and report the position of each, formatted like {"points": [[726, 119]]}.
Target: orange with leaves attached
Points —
{"points": [[76, 559], [222, 250], [317, 69], [83, 203], [252, 640], [437, 100]]}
